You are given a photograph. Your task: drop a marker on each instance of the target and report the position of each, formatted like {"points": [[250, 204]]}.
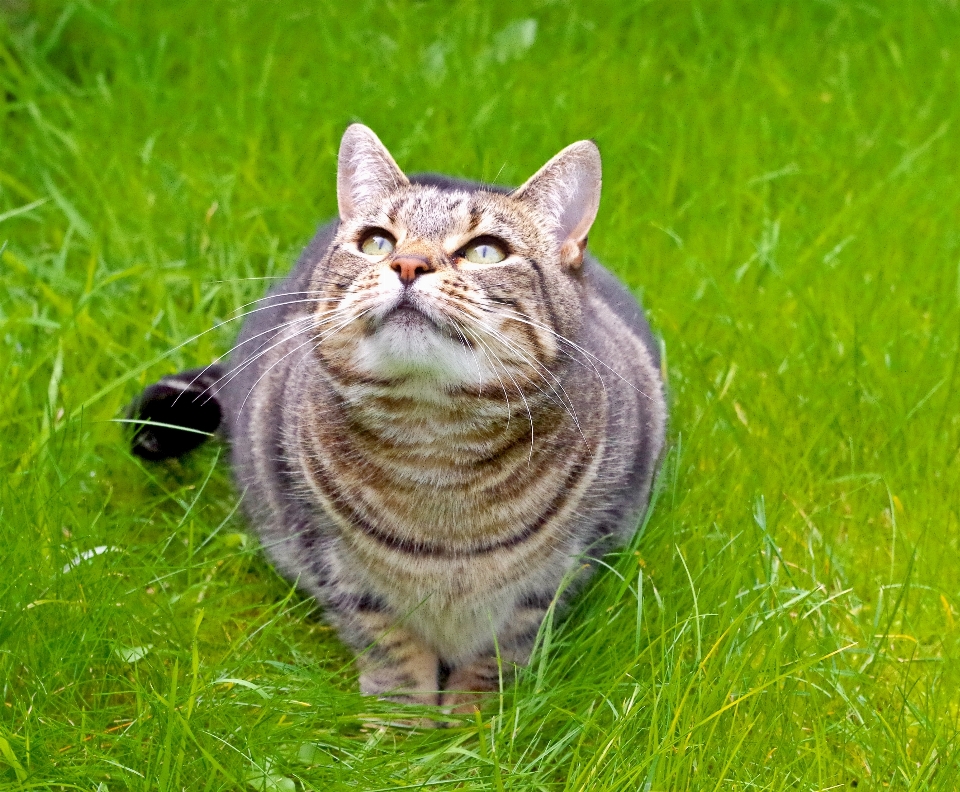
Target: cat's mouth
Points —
{"points": [[406, 316], [413, 332]]}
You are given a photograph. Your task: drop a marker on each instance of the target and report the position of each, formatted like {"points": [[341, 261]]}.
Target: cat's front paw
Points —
{"points": [[469, 687], [399, 685], [398, 667], [402, 685], [464, 702]]}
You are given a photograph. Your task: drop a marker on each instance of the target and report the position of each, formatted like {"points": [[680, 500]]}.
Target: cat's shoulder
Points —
{"points": [[621, 301]]}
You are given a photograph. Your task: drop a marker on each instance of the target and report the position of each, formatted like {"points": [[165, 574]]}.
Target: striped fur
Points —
{"points": [[430, 458]]}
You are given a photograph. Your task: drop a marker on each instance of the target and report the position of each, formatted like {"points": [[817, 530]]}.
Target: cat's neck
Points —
{"points": [[465, 426], [417, 466]]}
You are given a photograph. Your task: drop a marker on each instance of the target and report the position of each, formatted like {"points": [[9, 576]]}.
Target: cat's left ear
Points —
{"points": [[567, 191], [365, 171]]}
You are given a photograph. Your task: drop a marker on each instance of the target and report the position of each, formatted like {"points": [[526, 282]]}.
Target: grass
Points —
{"points": [[781, 187]]}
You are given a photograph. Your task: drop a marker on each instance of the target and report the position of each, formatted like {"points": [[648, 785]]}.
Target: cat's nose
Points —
{"points": [[409, 268]]}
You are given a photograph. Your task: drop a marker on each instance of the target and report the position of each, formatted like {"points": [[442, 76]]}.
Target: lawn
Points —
{"points": [[780, 186]]}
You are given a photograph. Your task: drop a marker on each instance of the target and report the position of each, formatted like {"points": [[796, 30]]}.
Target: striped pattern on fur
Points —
{"points": [[432, 445]]}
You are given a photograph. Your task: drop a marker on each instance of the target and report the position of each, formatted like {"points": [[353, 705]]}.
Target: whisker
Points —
{"points": [[304, 318], [227, 378], [311, 300], [493, 360], [251, 278], [235, 347], [223, 323], [519, 391], [490, 356], [286, 355], [469, 346], [533, 323], [538, 367]]}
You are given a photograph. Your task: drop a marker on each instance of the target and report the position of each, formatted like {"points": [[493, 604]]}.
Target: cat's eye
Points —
{"points": [[377, 243], [485, 251]]}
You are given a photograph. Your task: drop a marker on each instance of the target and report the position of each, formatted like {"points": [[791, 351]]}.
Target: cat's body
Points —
{"points": [[429, 440]]}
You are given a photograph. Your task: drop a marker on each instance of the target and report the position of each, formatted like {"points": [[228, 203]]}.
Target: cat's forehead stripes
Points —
{"points": [[427, 212], [430, 213]]}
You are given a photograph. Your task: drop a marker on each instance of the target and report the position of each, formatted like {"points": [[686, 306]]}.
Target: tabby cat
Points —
{"points": [[437, 418]]}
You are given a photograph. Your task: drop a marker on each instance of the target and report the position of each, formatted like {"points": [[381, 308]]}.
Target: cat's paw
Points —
{"points": [[469, 687], [465, 702]]}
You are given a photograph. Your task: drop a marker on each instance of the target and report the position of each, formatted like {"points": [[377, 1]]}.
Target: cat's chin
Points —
{"points": [[409, 345]]}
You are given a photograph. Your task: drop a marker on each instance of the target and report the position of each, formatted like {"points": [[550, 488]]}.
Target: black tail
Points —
{"points": [[179, 412]]}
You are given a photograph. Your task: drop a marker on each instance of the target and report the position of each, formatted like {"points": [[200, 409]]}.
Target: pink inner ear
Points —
{"points": [[580, 209], [365, 170], [567, 190], [571, 253]]}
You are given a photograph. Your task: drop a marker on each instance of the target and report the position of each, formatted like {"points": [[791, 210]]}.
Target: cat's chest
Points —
{"points": [[456, 604], [456, 477]]}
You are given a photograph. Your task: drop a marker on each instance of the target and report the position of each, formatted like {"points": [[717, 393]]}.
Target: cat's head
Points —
{"points": [[459, 288]]}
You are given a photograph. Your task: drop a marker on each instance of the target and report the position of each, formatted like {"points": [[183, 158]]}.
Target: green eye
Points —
{"points": [[377, 244], [484, 251]]}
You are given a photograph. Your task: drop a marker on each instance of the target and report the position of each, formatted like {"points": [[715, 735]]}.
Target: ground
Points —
{"points": [[780, 187]]}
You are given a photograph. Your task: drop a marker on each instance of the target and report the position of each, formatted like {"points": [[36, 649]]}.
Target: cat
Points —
{"points": [[438, 418]]}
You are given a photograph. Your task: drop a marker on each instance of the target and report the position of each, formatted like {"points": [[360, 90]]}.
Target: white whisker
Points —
{"points": [[231, 375], [523, 397], [563, 339], [286, 355], [235, 347], [539, 368]]}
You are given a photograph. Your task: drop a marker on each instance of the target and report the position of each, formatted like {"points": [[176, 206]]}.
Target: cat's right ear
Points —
{"points": [[566, 194], [365, 171]]}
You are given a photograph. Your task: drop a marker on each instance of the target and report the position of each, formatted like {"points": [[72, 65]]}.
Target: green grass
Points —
{"points": [[781, 186]]}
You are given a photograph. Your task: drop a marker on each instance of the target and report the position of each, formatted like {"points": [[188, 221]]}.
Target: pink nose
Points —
{"points": [[409, 268]]}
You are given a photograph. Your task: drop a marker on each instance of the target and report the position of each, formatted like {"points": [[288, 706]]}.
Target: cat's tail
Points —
{"points": [[178, 413]]}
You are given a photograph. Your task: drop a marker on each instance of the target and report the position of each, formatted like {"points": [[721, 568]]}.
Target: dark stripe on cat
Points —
{"points": [[350, 515], [537, 600], [350, 378], [475, 216], [544, 295], [358, 603], [443, 675]]}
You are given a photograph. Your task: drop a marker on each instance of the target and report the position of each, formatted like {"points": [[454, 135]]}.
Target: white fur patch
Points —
{"points": [[410, 344]]}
